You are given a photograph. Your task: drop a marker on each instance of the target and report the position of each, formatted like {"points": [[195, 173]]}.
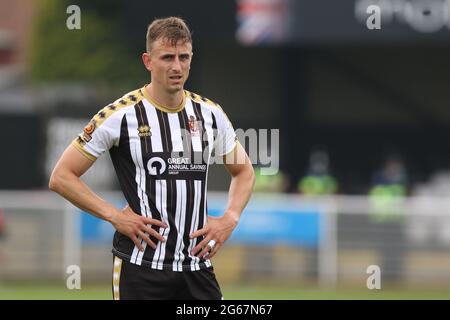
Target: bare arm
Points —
{"points": [[65, 180], [219, 229]]}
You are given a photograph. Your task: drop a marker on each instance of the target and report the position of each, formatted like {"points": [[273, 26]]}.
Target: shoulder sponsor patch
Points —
{"points": [[88, 130]]}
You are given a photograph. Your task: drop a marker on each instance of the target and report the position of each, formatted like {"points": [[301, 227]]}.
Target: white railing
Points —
{"points": [[43, 233]]}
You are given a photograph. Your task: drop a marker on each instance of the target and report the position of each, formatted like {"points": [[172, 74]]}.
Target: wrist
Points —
{"points": [[109, 214], [232, 216]]}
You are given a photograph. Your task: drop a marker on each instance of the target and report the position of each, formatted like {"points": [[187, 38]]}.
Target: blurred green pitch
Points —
{"points": [[101, 292]]}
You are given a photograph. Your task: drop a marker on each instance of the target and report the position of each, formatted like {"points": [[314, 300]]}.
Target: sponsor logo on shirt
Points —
{"points": [[144, 131]]}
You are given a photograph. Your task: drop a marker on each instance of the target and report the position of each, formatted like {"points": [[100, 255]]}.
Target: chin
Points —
{"points": [[175, 89]]}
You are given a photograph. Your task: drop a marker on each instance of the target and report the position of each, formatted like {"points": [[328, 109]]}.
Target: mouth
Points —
{"points": [[176, 77]]}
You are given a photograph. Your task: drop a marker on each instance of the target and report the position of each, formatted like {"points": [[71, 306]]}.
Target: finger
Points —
{"points": [[214, 250], [198, 233], [199, 246], [137, 242], [146, 238], [155, 234], [155, 222], [205, 252]]}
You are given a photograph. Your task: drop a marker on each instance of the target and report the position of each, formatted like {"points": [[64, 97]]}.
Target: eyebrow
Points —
{"points": [[173, 54]]}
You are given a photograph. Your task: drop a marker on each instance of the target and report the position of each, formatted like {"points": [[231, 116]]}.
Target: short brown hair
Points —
{"points": [[173, 29]]}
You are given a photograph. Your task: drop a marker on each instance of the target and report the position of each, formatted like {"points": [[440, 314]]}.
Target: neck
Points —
{"points": [[166, 99]]}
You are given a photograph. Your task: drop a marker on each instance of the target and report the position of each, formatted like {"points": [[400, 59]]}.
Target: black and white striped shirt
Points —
{"points": [[161, 158]]}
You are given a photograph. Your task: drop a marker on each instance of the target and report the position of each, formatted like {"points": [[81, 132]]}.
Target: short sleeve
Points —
{"points": [[226, 137], [98, 136]]}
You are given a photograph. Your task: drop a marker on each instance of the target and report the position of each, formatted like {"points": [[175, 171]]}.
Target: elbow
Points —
{"points": [[54, 182]]}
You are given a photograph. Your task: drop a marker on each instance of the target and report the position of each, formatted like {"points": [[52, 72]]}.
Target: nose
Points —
{"points": [[176, 65]]}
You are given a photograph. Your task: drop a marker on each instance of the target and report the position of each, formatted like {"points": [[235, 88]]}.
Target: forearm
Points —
{"points": [[78, 193], [239, 194]]}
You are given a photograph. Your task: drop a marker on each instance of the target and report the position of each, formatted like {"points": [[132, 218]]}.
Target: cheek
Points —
{"points": [[159, 70]]}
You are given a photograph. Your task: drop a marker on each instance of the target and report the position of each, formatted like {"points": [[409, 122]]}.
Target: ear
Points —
{"points": [[146, 58]]}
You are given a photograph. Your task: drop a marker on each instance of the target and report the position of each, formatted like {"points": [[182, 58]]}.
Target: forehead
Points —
{"points": [[163, 45]]}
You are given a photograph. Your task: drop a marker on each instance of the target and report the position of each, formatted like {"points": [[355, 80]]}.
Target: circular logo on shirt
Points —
{"points": [[156, 166], [89, 129]]}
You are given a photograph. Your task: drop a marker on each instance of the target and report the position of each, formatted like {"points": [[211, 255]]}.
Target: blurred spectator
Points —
{"points": [[269, 183], [318, 180], [387, 195], [389, 188]]}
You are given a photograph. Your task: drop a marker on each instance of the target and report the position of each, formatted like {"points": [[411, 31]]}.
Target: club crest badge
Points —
{"points": [[194, 126]]}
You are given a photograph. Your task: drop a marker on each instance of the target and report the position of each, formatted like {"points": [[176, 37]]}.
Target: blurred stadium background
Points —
{"points": [[364, 157]]}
